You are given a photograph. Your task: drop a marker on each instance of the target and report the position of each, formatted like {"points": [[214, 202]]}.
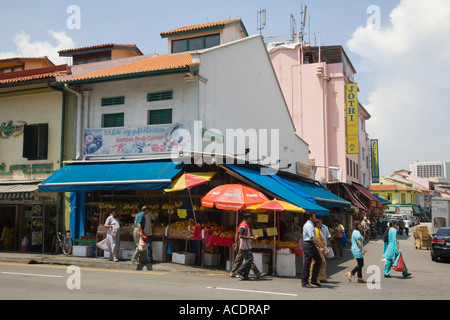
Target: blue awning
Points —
{"points": [[122, 176], [272, 184], [322, 195], [383, 201]]}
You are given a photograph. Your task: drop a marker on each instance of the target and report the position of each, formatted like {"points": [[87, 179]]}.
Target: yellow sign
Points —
{"points": [[263, 218], [182, 213], [258, 232], [351, 114], [272, 231]]}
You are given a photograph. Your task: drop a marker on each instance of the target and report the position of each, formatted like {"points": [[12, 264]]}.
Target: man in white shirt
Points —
{"points": [[310, 245]]}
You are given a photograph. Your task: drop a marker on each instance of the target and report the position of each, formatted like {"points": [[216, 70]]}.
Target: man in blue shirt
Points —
{"points": [[310, 251]]}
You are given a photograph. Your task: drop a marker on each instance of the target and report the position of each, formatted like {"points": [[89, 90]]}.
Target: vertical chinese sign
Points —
{"points": [[351, 100], [374, 156]]}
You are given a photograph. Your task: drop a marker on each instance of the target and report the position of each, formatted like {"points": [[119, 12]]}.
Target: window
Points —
{"points": [[196, 43], [161, 116], [35, 141], [113, 101], [113, 120], [439, 222], [159, 96]]}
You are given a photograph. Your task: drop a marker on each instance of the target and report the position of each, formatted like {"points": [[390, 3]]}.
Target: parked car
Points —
{"points": [[440, 244]]}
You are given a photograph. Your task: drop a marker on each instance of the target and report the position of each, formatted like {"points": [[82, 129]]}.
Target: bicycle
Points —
{"points": [[63, 241]]}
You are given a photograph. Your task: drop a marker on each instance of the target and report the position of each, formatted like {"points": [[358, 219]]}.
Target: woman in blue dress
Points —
{"points": [[358, 251], [391, 250]]}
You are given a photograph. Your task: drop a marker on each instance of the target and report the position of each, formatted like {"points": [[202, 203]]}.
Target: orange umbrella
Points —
{"points": [[232, 197]]}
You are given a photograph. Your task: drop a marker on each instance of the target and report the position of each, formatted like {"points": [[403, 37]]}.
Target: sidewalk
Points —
{"points": [[100, 263]]}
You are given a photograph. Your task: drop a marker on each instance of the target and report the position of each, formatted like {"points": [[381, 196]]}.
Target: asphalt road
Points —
{"points": [[429, 281]]}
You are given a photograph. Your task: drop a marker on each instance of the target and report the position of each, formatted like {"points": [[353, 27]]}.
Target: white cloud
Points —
{"points": [[28, 48], [408, 91]]}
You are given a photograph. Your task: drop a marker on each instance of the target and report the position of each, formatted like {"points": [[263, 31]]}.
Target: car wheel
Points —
{"points": [[434, 258]]}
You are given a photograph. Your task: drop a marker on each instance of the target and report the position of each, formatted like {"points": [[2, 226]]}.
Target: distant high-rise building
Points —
{"points": [[435, 171]]}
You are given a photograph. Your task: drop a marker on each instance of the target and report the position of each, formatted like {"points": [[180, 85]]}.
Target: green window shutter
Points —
{"points": [[28, 142], [113, 120], [42, 141], [160, 96], [35, 141], [113, 101], [162, 116]]}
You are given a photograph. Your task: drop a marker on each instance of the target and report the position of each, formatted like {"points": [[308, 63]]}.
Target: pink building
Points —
{"points": [[313, 82]]}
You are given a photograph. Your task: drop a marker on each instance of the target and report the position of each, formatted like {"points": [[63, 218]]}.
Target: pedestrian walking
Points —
{"points": [[338, 247], [113, 234], [322, 276], [245, 246], [358, 252], [138, 232], [390, 251], [239, 258], [310, 252], [148, 233]]}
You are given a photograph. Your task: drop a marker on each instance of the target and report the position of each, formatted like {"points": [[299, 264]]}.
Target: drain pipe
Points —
{"points": [[60, 210], [79, 120]]}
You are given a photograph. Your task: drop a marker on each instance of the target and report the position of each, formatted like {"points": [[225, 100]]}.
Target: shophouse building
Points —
{"points": [[314, 81], [213, 99], [31, 150]]}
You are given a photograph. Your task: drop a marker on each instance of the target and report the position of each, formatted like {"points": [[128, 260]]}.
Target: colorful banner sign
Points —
{"points": [[133, 140], [351, 99], [374, 157]]}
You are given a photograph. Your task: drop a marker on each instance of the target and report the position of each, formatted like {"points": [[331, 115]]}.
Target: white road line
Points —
{"points": [[33, 274], [255, 291]]}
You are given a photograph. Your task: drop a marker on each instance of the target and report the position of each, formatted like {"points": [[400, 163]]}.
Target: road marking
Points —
{"points": [[255, 291], [85, 268], [33, 274]]}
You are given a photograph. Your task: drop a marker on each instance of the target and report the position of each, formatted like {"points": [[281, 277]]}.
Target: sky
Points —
{"points": [[399, 48]]}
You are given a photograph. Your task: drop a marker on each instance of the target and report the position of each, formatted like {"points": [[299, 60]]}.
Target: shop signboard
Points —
{"points": [[351, 99], [134, 140], [374, 156]]}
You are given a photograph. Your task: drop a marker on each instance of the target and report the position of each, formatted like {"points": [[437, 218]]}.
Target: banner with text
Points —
{"points": [[133, 140], [351, 99], [374, 156]]}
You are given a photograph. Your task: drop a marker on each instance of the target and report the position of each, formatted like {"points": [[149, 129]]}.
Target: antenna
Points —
{"points": [[261, 20], [293, 27], [302, 26]]}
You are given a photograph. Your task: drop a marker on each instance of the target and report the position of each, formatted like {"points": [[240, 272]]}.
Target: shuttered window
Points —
{"points": [[35, 141], [113, 101], [161, 116], [113, 120], [159, 96]]}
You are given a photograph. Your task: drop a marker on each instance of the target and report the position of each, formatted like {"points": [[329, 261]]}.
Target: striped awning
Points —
{"points": [[18, 190]]}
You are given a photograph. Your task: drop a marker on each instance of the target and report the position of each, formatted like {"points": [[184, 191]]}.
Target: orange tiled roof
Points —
{"points": [[158, 63], [389, 187], [200, 26], [34, 74], [100, 46]]}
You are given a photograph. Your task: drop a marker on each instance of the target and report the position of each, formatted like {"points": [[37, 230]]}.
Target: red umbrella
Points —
{"points": [[232, 197]]}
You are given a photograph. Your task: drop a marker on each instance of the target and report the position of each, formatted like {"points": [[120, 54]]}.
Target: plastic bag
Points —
{"points": [[399, 264], [344, 239], [142, 245], [330, 252], [169, 248], [104, 245]]}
